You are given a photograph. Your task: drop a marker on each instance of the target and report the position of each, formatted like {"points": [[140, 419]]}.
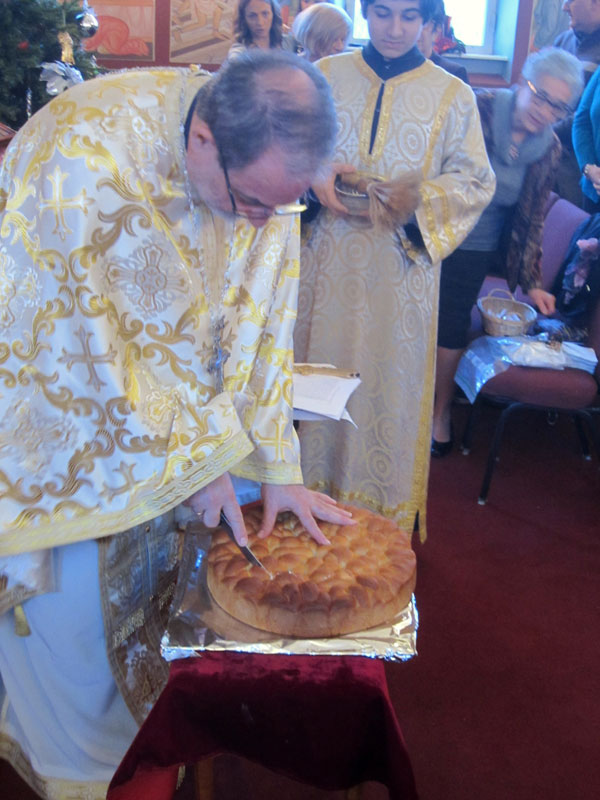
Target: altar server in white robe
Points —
{"points": [[147, 303], [368, 299]]}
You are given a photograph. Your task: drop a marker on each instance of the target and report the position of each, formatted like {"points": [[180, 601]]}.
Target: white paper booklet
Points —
{"points": [[321, 391]]}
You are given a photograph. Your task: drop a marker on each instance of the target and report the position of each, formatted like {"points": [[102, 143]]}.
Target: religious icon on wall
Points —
{"points": [[548, 20], [201, 30], [125, 30]]}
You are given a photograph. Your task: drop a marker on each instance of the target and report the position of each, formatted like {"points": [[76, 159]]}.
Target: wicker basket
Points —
{"points": [[493, 311]]}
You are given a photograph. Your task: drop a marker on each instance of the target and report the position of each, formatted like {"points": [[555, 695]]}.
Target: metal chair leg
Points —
{"points": [[467, 437], [587, 415], [583, 440], [584, 424], [493, 454]]}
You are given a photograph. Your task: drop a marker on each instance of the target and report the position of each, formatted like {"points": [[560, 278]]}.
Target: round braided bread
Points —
{"points": [[363, 579]]}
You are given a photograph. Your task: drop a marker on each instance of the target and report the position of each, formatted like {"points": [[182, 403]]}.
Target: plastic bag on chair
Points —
{"points": [[489, 355]]}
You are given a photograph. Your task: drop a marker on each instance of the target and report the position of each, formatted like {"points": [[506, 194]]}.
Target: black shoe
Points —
{"points": [[441, 449]]}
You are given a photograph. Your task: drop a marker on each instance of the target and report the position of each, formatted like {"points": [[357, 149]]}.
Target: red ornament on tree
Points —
{"points": [[24, 45]]}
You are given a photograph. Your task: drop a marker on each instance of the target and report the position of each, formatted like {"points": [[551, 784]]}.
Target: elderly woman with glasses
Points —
{"points": [[524, 152]]}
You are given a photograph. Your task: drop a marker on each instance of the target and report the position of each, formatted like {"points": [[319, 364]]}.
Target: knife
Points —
{"points": [[245, 550]]}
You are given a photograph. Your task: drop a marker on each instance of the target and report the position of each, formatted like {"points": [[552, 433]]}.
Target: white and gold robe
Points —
{"points": [[108, 414], [109, 417], [368, 301]]}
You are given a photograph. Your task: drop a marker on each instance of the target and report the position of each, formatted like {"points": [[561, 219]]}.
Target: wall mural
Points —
{"points": [[547, 22], [169, 31], [201, 30], [125, 30]]}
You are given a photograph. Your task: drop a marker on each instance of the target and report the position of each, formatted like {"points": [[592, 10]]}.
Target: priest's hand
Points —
{"points": [[305, 504], [325, 189], [217, 496]]}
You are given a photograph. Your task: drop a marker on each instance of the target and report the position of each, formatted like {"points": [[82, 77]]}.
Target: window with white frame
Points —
{"points": [[473, 21]]}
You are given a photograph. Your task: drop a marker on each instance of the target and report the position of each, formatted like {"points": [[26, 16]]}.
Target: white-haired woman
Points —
{"points": [[323, 29], [524, 152]]}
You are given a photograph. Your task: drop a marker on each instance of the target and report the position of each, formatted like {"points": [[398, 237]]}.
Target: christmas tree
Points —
{"points": [[28, 37]]}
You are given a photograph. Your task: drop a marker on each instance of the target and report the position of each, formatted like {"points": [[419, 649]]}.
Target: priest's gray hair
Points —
{"points": [[263, 99], [556, 63]]}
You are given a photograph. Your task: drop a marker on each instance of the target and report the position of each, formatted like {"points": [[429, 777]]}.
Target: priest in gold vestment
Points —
{"points": [[147, 302], [368, 300]]}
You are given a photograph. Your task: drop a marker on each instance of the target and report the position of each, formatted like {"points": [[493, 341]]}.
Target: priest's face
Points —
{"points": [[394, 26], [262, 188], [254, 191]]}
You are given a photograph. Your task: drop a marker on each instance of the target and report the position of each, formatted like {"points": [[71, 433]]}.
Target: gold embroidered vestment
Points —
{"points": [[109, 416]]}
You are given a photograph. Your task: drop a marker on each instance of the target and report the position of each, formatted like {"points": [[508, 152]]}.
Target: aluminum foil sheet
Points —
{"points": [[198, 624]]}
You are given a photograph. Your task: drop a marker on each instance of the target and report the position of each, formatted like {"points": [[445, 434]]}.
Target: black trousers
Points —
{"points": [[463, 273]]}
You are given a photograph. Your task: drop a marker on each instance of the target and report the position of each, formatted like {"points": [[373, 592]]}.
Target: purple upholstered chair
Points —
{"points": [[572, 391]]}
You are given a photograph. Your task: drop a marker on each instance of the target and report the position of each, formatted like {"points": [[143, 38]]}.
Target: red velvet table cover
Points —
{"points": [[324, 720]]}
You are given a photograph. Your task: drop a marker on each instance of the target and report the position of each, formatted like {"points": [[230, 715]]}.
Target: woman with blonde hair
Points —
{"points": [[323, 29]]}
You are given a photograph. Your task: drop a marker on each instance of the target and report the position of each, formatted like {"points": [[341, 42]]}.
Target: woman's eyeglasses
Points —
{"points": [[559, 109], [288, 208]]}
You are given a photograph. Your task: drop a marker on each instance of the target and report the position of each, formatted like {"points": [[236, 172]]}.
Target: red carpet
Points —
{"points": [[503, 700]]}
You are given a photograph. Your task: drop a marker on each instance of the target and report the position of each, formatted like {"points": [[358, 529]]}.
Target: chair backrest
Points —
{"points": [[560, 223], [561, 220]]}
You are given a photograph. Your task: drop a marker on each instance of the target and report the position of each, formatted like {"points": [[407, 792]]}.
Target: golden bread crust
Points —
{"points": [[363, 579]]}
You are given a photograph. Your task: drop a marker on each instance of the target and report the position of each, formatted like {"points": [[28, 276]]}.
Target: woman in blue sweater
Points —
{"points": [[586, 143]]}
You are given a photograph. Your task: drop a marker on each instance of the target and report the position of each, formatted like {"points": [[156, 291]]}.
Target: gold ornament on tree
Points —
{"points": [[66, 44]]}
